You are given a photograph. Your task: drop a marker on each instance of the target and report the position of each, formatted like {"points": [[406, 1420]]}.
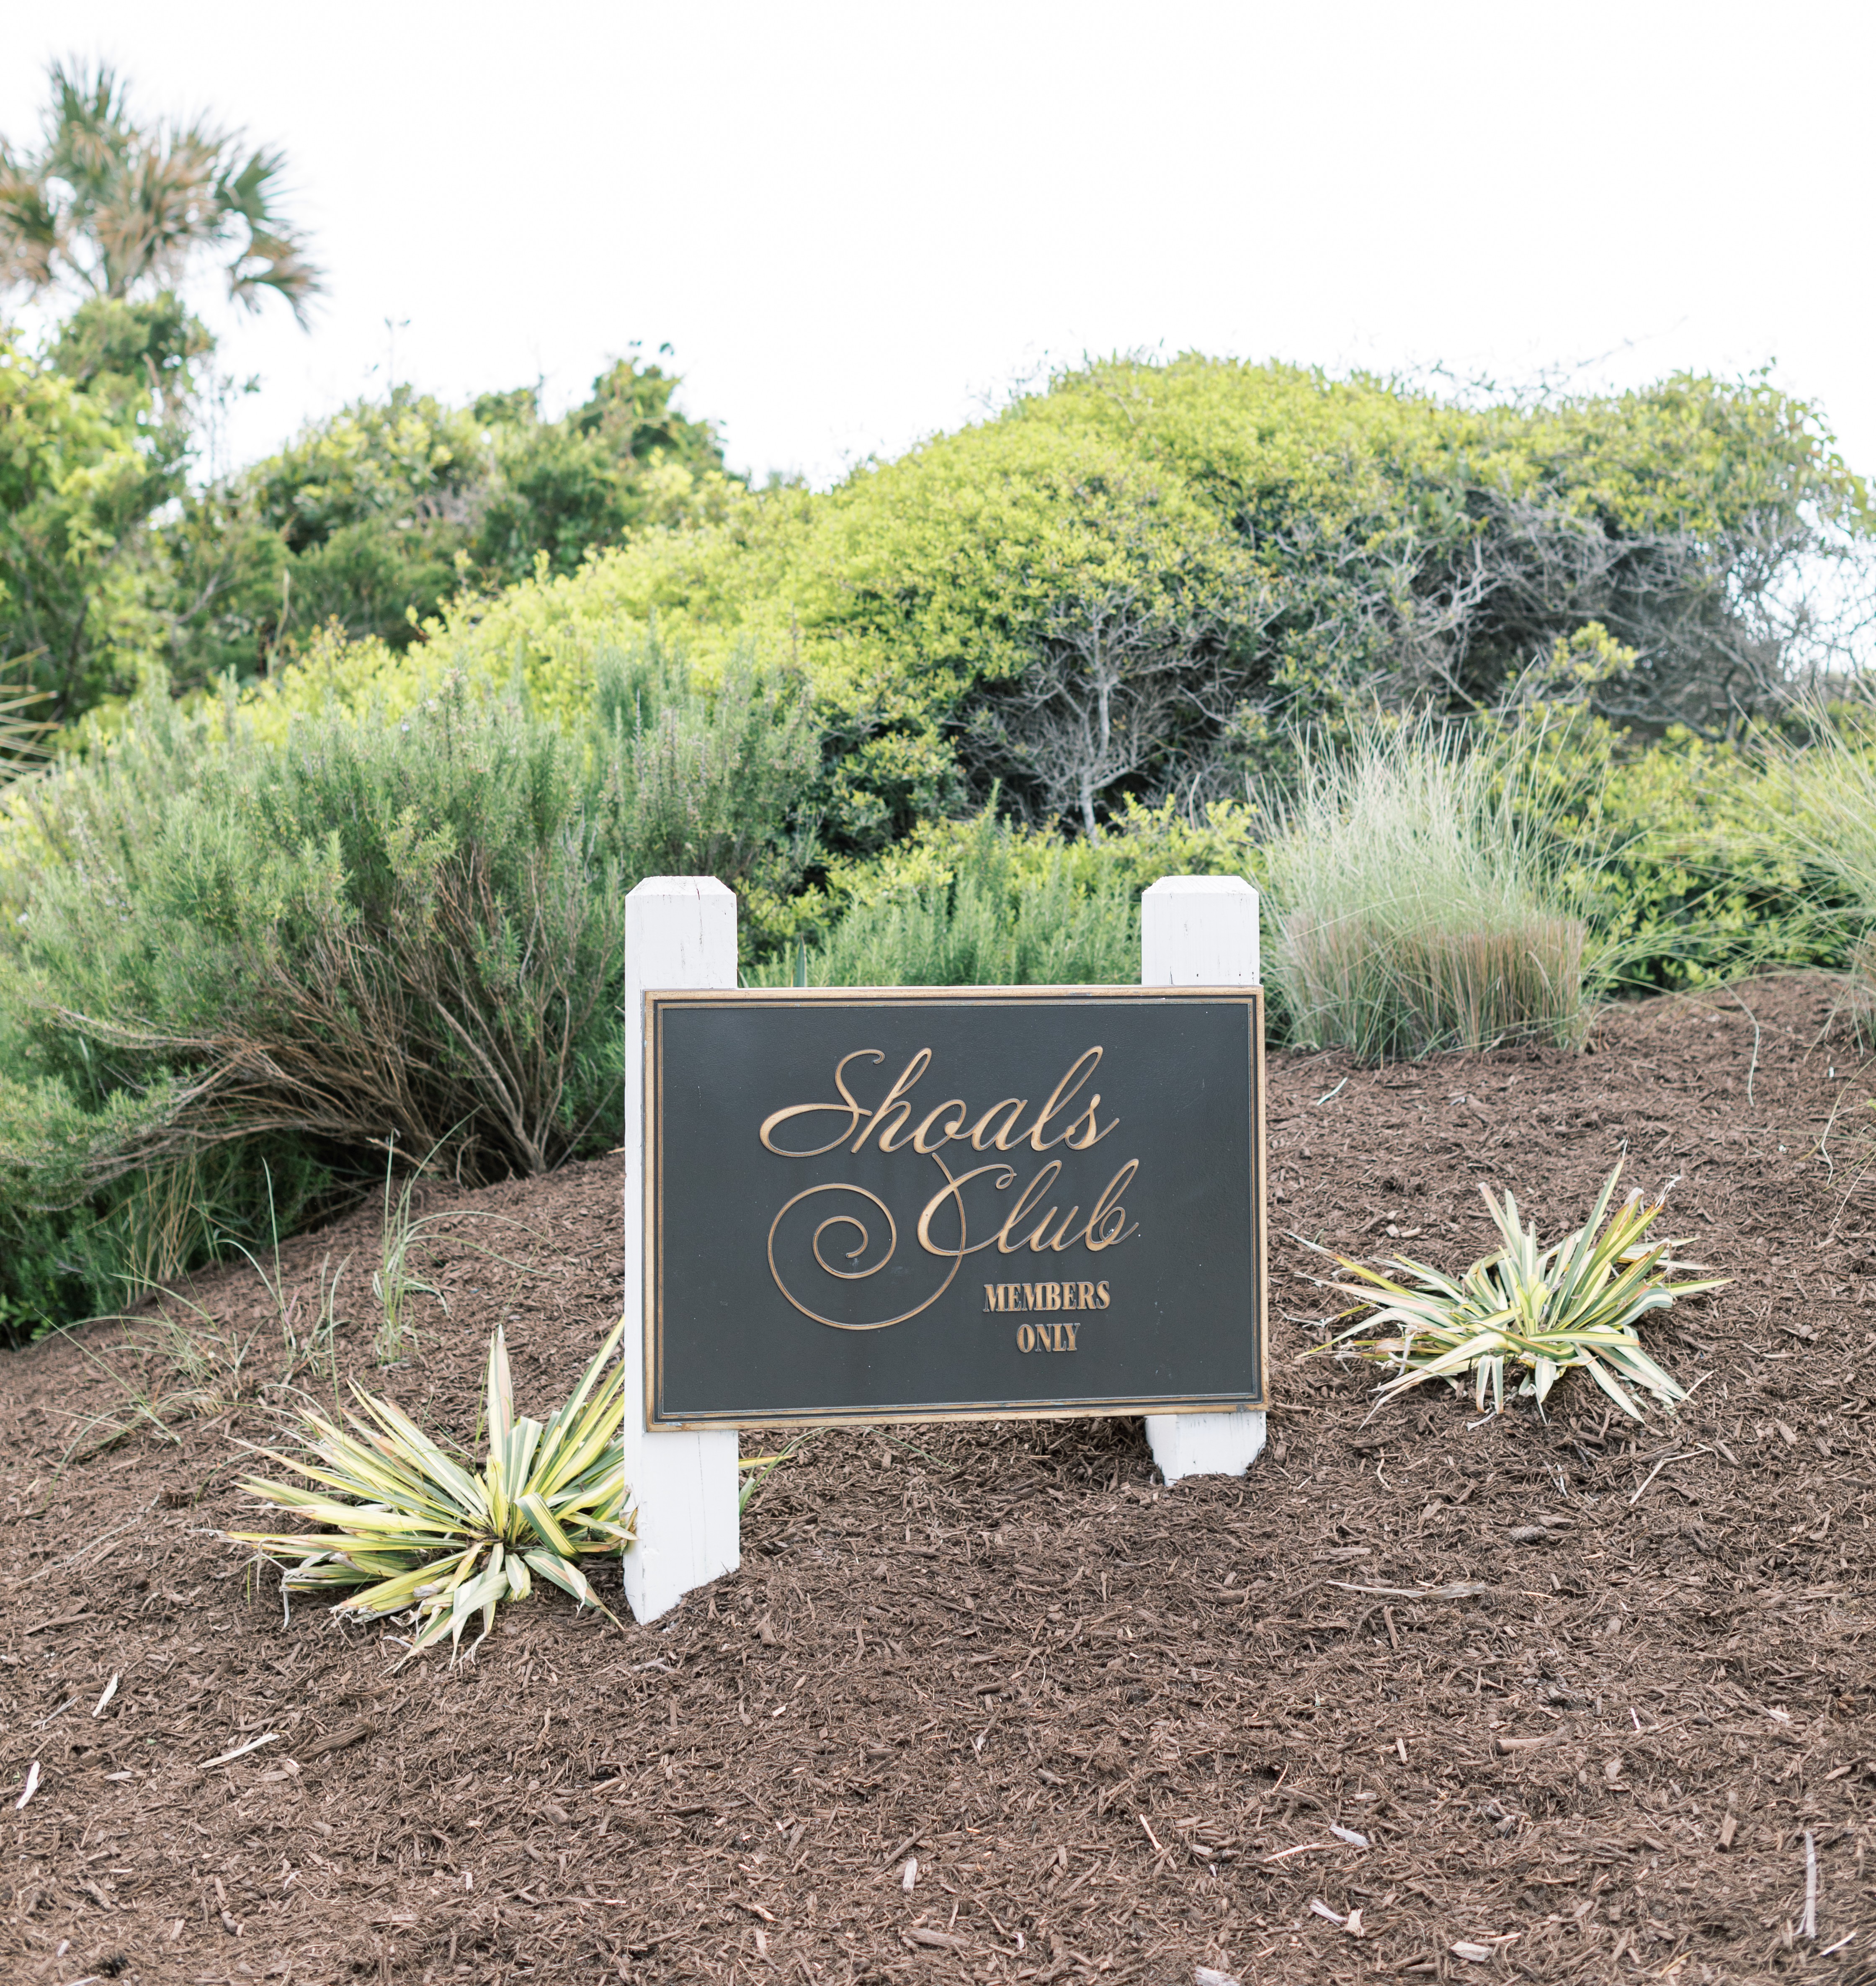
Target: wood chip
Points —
{"points": [[1468, 1592], [337, 1741], [58, 1621], [942, 1939], [32, 1786], [239, 1751]]}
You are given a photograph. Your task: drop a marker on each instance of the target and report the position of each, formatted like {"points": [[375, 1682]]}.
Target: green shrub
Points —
{"points": [[1133, 583], [985, 901], [375, 934], [1816, 806], [369, 520], [1005, 910], [1669, 849]]}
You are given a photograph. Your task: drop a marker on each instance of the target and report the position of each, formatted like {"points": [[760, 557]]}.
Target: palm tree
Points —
{"points": [[114, 208]]}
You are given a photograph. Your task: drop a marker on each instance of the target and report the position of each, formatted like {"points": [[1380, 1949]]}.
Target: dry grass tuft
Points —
{"points": [[1393, 995]]}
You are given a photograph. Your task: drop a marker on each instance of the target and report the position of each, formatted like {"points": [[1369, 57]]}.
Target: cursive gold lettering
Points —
{"points": [[1026, 1202], [1008, 1135], [951, 1190], [1063, 1237], [1086, 1130], [1108, 1223], [853, 1110], [895, 1101], [951, 1130], [1079, 1070]]}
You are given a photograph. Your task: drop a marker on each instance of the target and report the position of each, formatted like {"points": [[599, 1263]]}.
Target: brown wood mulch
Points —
{"points": [[1582, 1701]]}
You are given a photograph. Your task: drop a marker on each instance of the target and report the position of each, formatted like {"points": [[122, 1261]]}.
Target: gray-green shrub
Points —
{"points": [[377, 934]]}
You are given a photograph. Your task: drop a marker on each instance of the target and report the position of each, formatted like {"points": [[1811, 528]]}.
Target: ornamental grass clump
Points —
{"points": [[1538, 1311], [1415, 903], [419, 1534]]}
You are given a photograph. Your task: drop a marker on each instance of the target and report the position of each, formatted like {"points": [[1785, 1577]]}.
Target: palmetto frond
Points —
{"points": [[113, 207], [32, 234], [400, 1526], [1539, 1310]]}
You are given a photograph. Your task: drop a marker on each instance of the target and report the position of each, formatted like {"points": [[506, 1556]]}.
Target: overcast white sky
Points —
{"points": [[855, 223]]}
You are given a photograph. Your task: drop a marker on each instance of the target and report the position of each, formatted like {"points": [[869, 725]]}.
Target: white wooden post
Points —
{"points": [[680, 931], [1201, 930]]}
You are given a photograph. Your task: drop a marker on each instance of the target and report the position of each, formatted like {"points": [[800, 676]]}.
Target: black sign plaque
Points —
{"points": [[953, 1203]]}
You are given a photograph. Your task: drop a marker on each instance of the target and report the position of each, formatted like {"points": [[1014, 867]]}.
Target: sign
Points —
{"points": [[938, 1204]]}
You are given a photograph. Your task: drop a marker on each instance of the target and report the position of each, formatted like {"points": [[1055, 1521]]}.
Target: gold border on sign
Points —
{"points": [[652, 1143]]}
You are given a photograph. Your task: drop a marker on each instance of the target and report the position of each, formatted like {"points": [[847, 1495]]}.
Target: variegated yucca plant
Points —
{"points": [[409, 1530], [1538, 1311]]}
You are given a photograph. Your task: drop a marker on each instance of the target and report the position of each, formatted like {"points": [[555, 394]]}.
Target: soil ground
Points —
{"points": [[1125, 1730]]}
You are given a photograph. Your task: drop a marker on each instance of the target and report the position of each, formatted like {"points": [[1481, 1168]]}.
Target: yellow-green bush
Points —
{"points": [[1283, 548]]}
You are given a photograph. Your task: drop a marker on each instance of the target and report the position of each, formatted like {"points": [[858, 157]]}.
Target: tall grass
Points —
{"points": [[1408, 904], [1414, 906], [1819, 803]]}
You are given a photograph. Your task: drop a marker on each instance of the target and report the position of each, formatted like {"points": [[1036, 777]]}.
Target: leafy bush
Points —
{"points": [[370, 521], [993, 918], [986, 901], [1816, 805], [1671, 848], [378, 934], [1139, 582]]}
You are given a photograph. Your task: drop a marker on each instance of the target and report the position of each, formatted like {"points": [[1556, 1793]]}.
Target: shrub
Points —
{"points": [[1006, 909], [1132, 583], [378, 934], [1668, 849], [1818, 804], [988, 901]]}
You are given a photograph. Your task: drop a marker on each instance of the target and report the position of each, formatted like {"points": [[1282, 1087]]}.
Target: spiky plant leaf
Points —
{"points": [[1539, 1310], [406, 1529]]}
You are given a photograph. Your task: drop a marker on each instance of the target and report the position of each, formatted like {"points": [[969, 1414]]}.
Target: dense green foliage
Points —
{"points": [[941, 724], [114, 567], [380, 934], [1141, 582], [371, 521], [90, 447]]}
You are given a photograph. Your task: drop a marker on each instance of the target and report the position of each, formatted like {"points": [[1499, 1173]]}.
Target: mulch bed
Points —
{"points": [[1124, 1731]]}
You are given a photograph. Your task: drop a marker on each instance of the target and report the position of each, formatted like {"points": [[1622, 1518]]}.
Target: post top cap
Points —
{"points": [[1231, 886], [681, 886]]}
